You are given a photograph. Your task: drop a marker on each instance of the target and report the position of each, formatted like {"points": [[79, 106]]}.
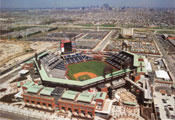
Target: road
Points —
{"points": [[12, 116], [8, 75], [171, 66], [104, 42]]}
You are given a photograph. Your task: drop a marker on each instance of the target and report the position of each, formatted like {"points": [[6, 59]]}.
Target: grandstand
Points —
{"points": [[76, 58], [53, 69], [120, 60]]}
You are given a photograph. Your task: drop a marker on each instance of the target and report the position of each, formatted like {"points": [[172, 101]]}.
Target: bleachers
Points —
{"points": [[60, 65], [55, 64], [53, 61], [76, 58], [118, 60]]}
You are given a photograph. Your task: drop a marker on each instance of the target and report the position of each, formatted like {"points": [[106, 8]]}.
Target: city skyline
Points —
{"points": [[85, 3]]}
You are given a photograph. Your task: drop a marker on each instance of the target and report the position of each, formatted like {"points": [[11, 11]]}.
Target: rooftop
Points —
{"points": [[69, 95], [106, 108], [58, 91], [162, 74], [129, 103], [85, 97], [18, 84], [101, 95], [46, 91], [34, 88], [28, 84], [141, 69]]}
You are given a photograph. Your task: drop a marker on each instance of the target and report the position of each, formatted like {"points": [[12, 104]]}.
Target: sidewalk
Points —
{"points": [[30, 113]]}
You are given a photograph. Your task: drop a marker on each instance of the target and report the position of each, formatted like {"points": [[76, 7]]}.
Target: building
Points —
{"points": [[163, 98], [100, 100], [28, 65], [39, 96], [80, 104], [27, 85], [127, 32], [161, 74]]}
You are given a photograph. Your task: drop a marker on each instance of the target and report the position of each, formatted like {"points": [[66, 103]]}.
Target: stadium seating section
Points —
{"points": [[56, 62]]}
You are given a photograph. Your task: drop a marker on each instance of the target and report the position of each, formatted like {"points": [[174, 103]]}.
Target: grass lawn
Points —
{"points": [[166, 32], [93, 66], [85, 25], [108, 25]]}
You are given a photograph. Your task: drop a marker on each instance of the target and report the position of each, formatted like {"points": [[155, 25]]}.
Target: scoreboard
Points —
{"points": [[67, 46]]}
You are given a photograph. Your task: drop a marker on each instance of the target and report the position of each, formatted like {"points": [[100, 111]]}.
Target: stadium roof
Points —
{"points": [[101, 95], [34, 88], [85, 97], [47, 91], [69, 95]]}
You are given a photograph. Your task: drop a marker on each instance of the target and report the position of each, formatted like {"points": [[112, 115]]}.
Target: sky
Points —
{"points": [[85, 3]]}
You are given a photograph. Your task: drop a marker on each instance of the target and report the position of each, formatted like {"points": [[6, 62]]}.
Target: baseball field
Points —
{"points": [[85, 70]]}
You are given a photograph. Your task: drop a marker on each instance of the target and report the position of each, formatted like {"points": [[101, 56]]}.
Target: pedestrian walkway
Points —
{"points": [[29, 112]]}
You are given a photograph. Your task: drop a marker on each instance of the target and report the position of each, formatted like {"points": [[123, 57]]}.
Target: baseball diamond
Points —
{"points": [[85, 70]]}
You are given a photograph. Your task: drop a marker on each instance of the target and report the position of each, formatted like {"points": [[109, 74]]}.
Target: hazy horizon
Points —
{"points": [[85, 3]]}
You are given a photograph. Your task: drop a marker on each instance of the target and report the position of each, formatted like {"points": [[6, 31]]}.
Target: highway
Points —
{"points": [[169, 61], [104, 42]]}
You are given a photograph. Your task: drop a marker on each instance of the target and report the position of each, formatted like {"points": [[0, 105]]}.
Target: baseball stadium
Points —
{"points": [[78, 71]]}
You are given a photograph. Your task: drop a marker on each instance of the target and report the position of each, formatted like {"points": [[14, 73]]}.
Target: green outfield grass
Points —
{"points": [[93, 66]]}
